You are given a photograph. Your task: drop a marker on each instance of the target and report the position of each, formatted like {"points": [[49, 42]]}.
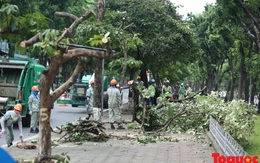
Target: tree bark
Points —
{"points": [[230, 91], [124, 67], [98, 63], [241, 82]]}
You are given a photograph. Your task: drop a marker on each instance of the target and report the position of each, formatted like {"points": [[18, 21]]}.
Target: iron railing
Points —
{"points": [[227, 143]]}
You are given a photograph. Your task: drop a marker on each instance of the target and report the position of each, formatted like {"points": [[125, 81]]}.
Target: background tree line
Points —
{"points": [[218, 48]]}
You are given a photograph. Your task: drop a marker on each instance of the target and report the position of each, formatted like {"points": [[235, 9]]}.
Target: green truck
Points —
{"points": [[77, 94], [17, 76]]}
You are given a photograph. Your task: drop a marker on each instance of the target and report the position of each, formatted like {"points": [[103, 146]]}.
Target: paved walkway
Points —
{"points": [[187, 149]]}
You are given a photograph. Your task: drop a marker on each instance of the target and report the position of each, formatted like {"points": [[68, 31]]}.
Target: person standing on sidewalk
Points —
{"points": [[7, 122], [33, 104], [114, 103], [90, 99]]}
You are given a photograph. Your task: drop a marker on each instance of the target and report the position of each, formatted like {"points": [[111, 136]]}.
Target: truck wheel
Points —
{"points": [[26, 120], [74, 105]]}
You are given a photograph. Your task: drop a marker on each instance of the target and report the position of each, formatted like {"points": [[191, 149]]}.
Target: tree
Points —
{"points": [[15, 27], [246, 15], [166, 38], [50, 41]]}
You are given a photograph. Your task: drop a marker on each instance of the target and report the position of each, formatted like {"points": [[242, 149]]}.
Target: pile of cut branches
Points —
{"points": [[83, 130]]}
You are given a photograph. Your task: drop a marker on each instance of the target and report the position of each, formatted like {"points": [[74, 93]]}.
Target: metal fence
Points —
{"points": [[227, 143]]}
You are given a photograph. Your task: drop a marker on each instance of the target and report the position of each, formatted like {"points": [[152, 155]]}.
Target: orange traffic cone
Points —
{"points": [[63, 98]]}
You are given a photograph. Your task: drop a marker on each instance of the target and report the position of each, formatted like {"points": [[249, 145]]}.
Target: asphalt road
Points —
{"points": [[60, 115]]}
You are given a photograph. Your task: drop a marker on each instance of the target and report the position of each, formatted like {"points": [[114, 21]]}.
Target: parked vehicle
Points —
{"points": [[77, 93], [17, 76]]}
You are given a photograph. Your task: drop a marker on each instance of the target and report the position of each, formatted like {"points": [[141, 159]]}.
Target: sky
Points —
{"points": [[194, 6]]}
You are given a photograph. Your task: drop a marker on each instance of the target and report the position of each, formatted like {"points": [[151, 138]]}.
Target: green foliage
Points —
{"points": [[146, 140], [236, 117], [17, 27], [65, 155], [96, 41], [133, 126], [253, 146], [54, 143], [155, 138], [131, 62], [165, 37], [48, 42]]}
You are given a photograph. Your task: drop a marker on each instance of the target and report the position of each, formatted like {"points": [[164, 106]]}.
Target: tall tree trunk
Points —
{"points": [[124, 67], [218, 76], [132, 72], [46, 79], [210, 83], [98, 83], [246, 88], [98, 62], [44, 121], [230, 91], [242, 71], [253, 90]]}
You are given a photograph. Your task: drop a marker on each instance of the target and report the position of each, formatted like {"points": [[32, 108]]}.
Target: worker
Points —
{"points": [[152, 88], [114, 103], [7, 121], [90, 99], [139, 83], [33, 104], [167, 90]]}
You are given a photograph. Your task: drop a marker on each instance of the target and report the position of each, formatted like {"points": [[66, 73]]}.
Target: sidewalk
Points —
{"points": [[187, 149]]}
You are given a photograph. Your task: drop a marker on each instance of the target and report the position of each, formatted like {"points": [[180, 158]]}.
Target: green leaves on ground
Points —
{"points": [[154, 139], [236, 117]]}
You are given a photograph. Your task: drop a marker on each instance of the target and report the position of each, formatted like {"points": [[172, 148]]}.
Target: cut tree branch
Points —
{"points": [[31, 41], [66, 15]]}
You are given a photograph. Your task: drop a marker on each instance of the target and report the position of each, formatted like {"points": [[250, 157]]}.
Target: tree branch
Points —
{"points": [[31, 41], [70, 31], [166, 125], [65, 86], [66, 15], [246, 29], [67, 32], [248, 12], [8, 31], [190, 97], [109, 52]]}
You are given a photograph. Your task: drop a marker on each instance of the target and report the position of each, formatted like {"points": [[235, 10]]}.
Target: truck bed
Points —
{"points": [[9, 79]]}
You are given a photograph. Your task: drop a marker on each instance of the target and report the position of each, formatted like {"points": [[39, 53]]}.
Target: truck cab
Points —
{"points": [[77, 94], [17, 76]]}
